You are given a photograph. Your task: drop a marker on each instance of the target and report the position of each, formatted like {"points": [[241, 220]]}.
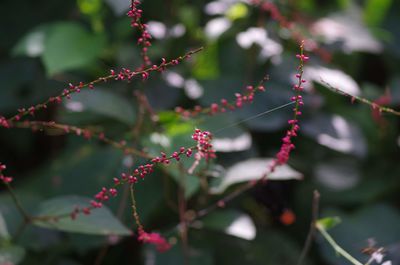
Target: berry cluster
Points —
{"points": [[224, 105], [287, 145], [156, 239], [135, 14]]}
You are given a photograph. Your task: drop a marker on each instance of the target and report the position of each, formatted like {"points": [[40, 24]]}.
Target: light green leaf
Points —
{"points": [[103, 102], [375, 11], [99, 222], [328, 222], [69, 46], [237, 11], [206, 65], [253, 169]]}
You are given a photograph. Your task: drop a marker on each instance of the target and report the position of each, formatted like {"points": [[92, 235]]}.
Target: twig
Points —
{"points": [[25, 215], [125, 74], [85, 132], [311, 233]]}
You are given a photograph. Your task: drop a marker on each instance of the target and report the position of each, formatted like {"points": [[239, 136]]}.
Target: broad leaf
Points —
{"points": [[99, 222], [253, 169], [69, 46]]}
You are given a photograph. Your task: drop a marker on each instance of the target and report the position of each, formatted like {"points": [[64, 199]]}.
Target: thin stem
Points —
{"points": [[134, 208], [256, 116], [311, 233], [360, 99], [87, 133], [336, 247], [128, 76], [25, 215]]}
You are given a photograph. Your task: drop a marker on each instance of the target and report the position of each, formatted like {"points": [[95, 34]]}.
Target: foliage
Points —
{"points": [[347, 146]]}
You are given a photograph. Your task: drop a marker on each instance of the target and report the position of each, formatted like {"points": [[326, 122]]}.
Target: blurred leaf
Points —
{"points": [[96, 165], [33, 43], [98, 222], [347, 30], [329, 222], [179, 172], [227, 135], [82, 243], [336, 133], [206, 63], [253, 169], [104, 103], [375, 11], [231, 222], [39, 239], [118, 6], [90, 7], [332, 78], [3, 228], [26, 88], [237, 11], [69, 46], [338, 174], [189, 16], [269, 247], [11, 255]]}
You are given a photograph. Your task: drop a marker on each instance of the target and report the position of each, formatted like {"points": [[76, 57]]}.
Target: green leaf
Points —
{"points": [[237, 11], [375, 11], [105, 103], [253, 169], [90, 7], [69, 46], [231, 222], [80, 160], [328, 222], [99, 222], [11, 255], [206, 63]]}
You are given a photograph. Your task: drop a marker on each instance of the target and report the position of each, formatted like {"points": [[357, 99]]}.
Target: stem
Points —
{"points": [[336, 247], [311, 233], [160, 67], [134, 208], [360, 99]]}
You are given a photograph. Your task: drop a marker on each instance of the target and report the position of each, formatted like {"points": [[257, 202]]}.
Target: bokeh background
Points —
{"points": [[346, 150]]}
